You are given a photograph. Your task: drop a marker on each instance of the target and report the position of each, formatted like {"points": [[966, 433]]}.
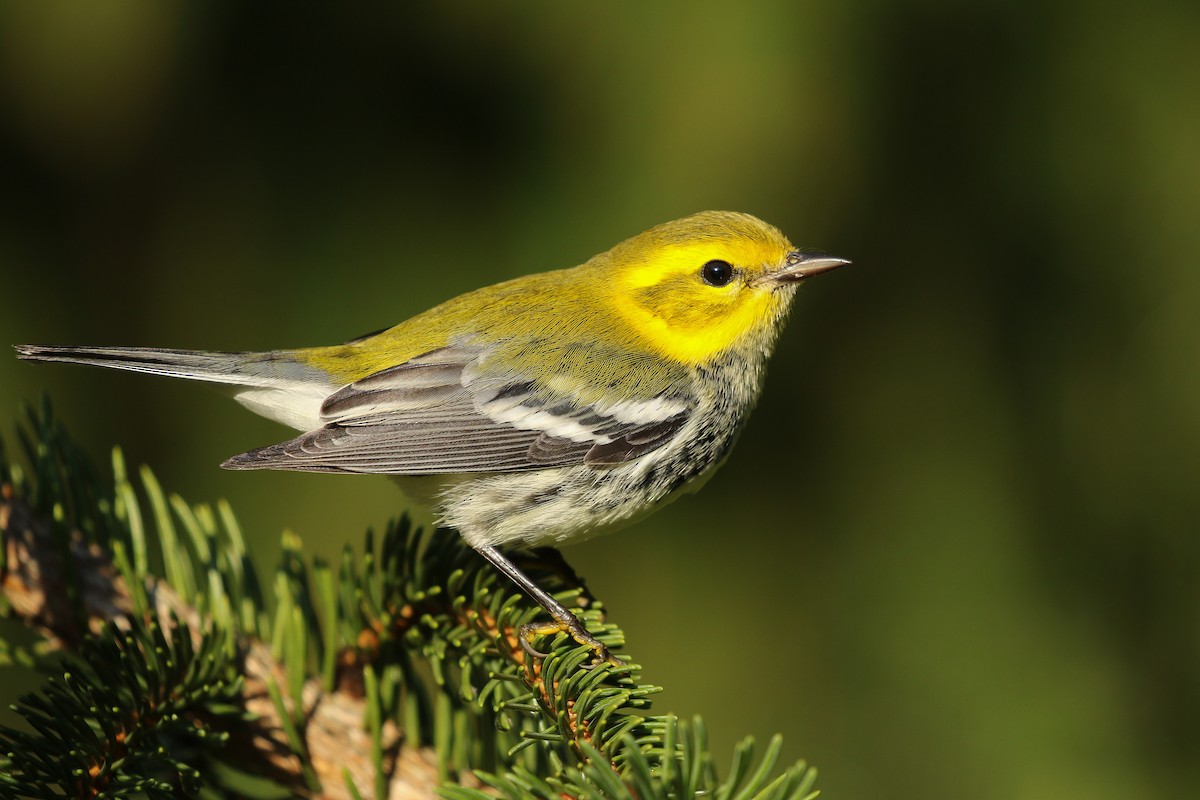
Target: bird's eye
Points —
{"points": [[717, 272]]}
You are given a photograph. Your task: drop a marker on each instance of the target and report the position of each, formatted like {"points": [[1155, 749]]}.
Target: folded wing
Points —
{"points": [[444, 413]]}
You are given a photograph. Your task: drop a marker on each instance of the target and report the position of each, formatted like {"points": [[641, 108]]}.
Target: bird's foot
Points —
{"points": [[577, 632]]}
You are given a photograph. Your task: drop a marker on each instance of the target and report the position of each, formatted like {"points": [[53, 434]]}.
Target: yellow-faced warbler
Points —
{"points": [[544, 409]]}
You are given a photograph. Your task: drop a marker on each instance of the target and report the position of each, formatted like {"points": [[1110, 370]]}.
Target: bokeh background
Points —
{"points": [[955, 553]]}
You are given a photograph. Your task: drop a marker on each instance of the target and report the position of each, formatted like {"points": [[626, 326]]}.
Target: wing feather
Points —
{"points": [[443, 412]]}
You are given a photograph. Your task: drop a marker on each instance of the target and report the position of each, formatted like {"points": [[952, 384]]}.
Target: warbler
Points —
{"points": [[540, 410]]}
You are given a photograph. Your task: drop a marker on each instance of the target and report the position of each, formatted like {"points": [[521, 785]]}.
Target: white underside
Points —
{"points": [[297, 406]]}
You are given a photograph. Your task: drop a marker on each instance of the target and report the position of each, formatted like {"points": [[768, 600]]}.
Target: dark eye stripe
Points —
{"points": [[717, 272]]}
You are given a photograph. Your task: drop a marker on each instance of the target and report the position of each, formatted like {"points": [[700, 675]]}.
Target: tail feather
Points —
{"points": [[273, 384], [242, 369]]}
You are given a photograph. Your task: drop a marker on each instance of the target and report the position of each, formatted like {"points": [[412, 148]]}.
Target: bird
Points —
{"points": [[537, 411]]}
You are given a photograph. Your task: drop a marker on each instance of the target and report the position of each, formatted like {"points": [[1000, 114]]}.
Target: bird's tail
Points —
{"points": [[240, 369], [275, 383]]}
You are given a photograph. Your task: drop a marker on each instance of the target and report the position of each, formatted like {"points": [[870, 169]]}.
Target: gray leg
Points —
{"points": [[564, 620]]}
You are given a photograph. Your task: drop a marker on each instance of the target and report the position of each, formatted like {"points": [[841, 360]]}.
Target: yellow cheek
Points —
{"points": [[692, 326], [662, 298]]}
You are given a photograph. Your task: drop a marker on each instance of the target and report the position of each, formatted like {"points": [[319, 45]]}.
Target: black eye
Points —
{"points": [[717, 272]]}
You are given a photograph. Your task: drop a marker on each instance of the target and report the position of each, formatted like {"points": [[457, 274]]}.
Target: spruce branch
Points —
{"points": [[130, 716], [389, 673]]}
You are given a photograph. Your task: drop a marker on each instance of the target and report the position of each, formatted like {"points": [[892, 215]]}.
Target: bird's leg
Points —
{"points": [[564, 620]]}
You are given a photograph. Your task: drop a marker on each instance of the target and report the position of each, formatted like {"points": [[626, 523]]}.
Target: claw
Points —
{"points": [[523, 637], [577, 632], [564, 620]]}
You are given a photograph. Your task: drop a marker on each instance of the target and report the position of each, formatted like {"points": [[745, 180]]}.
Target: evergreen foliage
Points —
{"points": [[182, 673], [132, 716]]}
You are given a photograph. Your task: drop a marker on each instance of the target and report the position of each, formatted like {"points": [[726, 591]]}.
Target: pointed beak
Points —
{"points": [[803, 264]]}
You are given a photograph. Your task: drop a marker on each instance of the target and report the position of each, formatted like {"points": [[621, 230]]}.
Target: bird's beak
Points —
{"points": [[803, 264]]}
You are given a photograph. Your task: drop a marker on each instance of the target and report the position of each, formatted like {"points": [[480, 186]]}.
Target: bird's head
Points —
{"points": [[702, 285]]}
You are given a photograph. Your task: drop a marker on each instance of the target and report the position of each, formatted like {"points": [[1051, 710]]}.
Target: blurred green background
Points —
{"points": [[955, 552]]}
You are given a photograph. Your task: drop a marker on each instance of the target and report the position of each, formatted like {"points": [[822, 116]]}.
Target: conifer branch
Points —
{"points": [[394, 671]]}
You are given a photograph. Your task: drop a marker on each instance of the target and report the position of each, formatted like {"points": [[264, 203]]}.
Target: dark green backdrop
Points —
{"points": [[955, 553]]}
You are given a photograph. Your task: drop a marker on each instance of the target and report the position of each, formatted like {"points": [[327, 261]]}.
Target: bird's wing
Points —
{"points": [[445, 412]]}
